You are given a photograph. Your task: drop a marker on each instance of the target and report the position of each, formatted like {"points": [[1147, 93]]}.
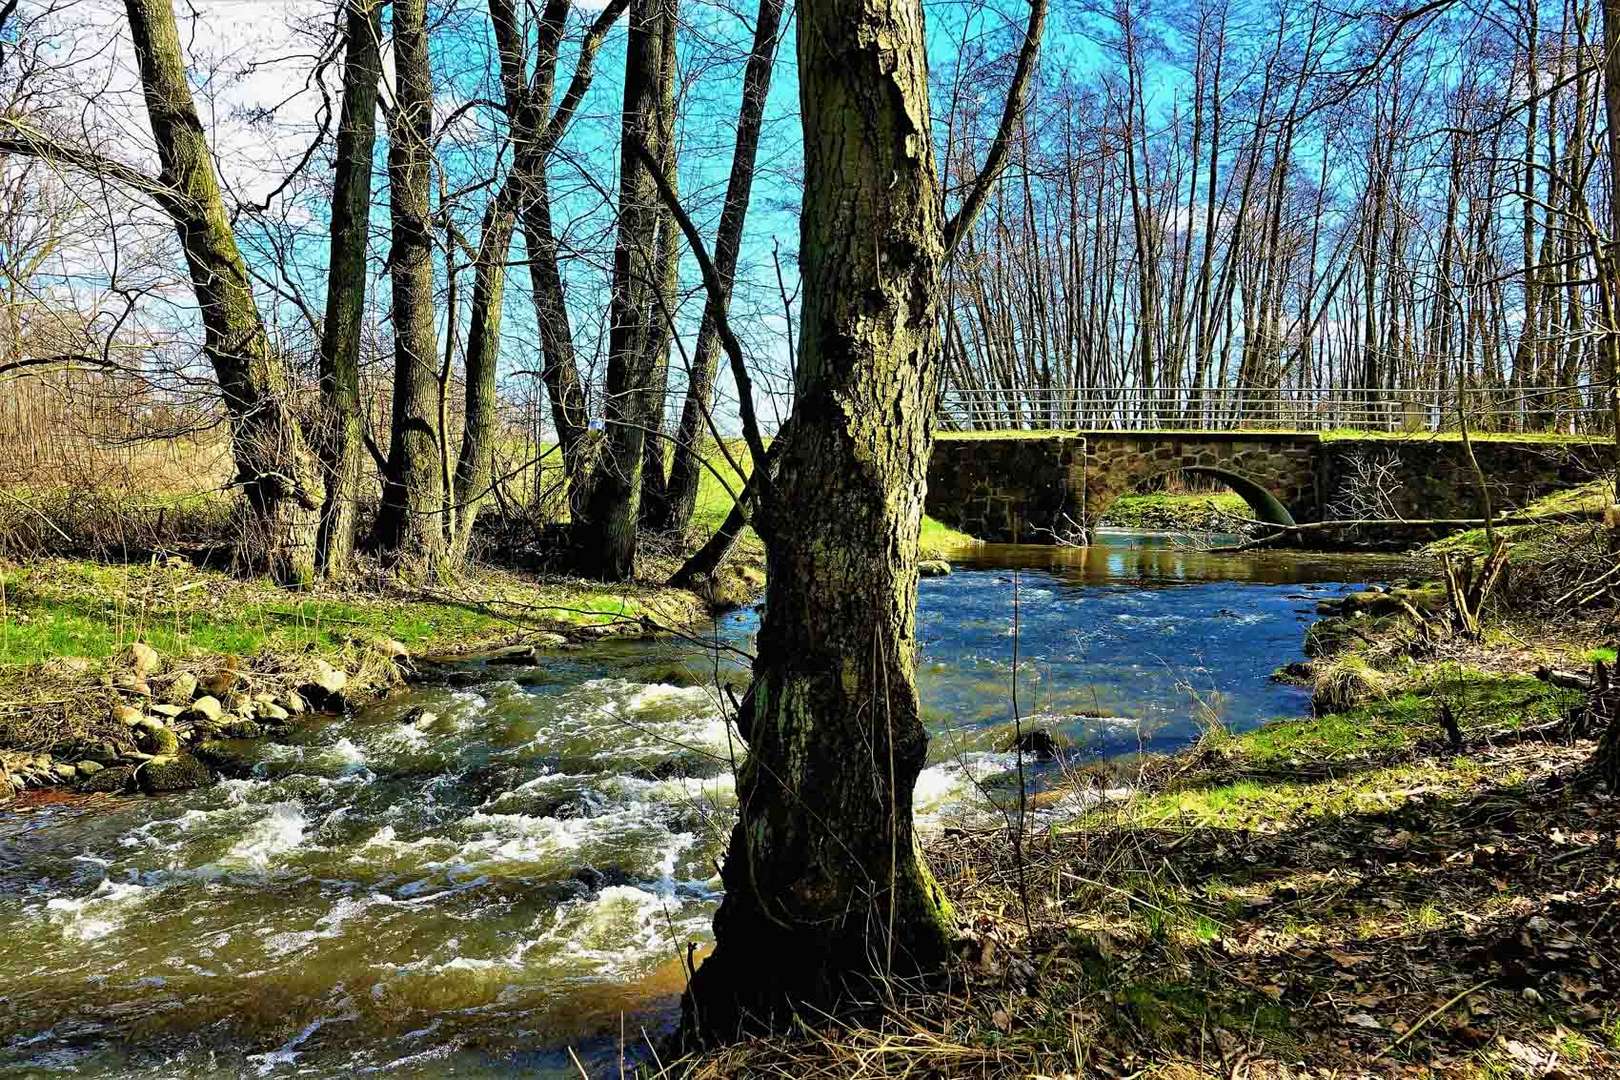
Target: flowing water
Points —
{"points": [[475, 878]]}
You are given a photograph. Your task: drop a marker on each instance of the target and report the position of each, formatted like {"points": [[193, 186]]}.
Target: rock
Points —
{"points": [[325, 687], [182, 772], [110, 780], [205, 708], [394, 650], [1037, 741], [242, 729], [131, 683], [128, 715], [549, 641], [168, 712], [156, 739], [143, 659], [182, 688], [513, 654], [88, 767], [933, 568], [1297, 673], [293, 702], [269, 710], [64, 772], [231, 757]]}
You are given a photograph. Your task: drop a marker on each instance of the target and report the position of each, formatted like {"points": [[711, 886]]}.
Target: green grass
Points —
{"points": [[1378, 731], [65, 607], [939, 541]]}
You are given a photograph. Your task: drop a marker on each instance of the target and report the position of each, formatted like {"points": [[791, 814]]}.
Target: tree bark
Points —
{"points": [[824, 887], [654, 509], [340, 437], [279, 476], [605, 540], [410, 528], [474, 463], [685, 472]]}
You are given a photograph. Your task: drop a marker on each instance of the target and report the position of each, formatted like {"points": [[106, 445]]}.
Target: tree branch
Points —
{"points": [[1011, 113], [23, 140], [722, 325]]}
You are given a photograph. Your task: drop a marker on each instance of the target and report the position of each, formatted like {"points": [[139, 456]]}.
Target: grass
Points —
{"points": [[75, 608], [1166, 511]]}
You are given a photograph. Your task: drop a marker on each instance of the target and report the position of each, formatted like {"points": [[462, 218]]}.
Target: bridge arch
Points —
{"points": [[1263, 504]]}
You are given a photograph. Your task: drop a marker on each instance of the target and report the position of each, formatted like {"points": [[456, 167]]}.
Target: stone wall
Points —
{"points": [[1050, 488], [1431, 478], [1008, 489]]}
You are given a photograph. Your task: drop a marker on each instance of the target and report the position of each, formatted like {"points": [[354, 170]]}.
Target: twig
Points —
{"points": [[1413, 1030]]}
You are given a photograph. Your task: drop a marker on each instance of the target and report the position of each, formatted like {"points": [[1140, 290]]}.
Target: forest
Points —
{"points": [[860, 538]]}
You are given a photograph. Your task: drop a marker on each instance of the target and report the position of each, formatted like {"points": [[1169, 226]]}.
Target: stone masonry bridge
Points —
{"points": [[1047, 488]]}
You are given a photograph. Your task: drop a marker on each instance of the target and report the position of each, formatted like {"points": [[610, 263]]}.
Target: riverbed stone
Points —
{"points": [[269, 710], [325, 687], [143, 659], [127, 715], [156, 738], [230, 757], [205, 708], [933, 568], [242, 729], [64, 772], [182, 688], [167, 711], [182, 772], [87, 767], [111, 780]]}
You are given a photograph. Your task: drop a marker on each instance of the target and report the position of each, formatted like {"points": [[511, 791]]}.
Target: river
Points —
{"points": [[474, 877]]}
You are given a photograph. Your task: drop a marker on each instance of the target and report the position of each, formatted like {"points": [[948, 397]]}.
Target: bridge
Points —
{"points": [[1042, 481]]}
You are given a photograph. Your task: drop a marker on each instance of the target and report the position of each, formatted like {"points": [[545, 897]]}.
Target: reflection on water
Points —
{"points": [[469, 879]]}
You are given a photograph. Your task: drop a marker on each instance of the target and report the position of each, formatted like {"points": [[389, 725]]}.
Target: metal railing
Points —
{"points": [[1575, 410]]}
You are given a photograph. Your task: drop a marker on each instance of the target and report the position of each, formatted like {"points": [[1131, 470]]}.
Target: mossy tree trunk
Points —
{"points": [[824, 887], [339, 437], [411, 526], [278, 475]]}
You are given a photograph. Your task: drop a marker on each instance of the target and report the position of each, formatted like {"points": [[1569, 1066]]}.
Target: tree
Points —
{"points": [[339, 436], [686, 467], [605, 539], [410, 526], [279, 477], [823, 875]]}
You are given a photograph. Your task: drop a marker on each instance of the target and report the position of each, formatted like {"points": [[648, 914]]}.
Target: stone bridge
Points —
{"points": [[1047, 488]]}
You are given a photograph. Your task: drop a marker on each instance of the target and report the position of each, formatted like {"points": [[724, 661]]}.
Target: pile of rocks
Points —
{"points": [[164, 721]]}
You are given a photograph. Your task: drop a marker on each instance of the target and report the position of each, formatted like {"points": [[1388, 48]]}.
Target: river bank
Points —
{"points": [[96, 658], [1355, 893]]}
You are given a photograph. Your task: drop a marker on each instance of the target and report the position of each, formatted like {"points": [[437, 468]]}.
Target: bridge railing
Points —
{"points": [[1564, 409]]}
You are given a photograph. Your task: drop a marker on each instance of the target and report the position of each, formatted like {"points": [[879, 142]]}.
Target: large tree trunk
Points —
{"points": [[340, 437], [686, 470], [410, 528], [824, 888], [279, 477], [605, 540]]}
